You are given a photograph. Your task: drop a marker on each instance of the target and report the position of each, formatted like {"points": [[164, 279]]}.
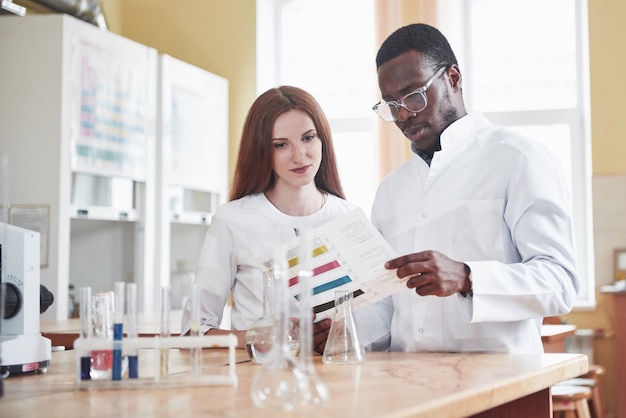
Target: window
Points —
{"points": [[525, 65], [327, 48]]}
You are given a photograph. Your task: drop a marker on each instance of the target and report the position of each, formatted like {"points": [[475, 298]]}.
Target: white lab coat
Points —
{"points": [[498, 202]]}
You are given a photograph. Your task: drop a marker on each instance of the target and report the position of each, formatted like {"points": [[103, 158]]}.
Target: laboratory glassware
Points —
{"points": [[342, 345], [280, 384]]}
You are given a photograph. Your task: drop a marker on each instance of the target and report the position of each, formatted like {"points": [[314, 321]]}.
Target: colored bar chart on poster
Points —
{"points": [[348, 253]]}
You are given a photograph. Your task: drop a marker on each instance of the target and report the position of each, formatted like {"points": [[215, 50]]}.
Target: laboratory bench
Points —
{"points": [[387, 384]]}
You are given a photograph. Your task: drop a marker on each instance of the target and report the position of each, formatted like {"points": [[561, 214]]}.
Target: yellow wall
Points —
{"points": [[608, 85], [608, 132], [216, 35]]}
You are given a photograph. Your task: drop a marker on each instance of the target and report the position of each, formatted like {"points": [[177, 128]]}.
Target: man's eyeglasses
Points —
{"points": [[414, 102]]}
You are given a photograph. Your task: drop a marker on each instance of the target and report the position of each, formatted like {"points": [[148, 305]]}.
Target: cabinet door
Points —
{"points": [[194, 124], [192, 156]]}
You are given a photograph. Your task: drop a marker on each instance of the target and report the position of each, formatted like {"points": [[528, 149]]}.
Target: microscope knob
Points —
{"points": [[46, 298], [12, 301]]}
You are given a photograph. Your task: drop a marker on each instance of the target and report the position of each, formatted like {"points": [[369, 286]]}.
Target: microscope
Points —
{"points": [[22, 300]]}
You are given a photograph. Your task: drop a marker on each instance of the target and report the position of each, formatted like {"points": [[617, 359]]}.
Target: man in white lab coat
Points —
{"points": [[480, 215]]}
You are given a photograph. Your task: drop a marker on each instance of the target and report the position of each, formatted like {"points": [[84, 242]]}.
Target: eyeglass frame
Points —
{"points": [[400, 103]]}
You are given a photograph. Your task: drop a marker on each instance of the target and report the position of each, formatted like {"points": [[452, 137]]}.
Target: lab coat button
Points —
{"points": [[424, 215]]}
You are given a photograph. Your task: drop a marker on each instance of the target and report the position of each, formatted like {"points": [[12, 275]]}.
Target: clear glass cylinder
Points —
{"points": [[259, 334], [280, 384], [319, 393], [343, 346]]}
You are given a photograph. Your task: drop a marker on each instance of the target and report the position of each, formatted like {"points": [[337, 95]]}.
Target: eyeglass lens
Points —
{"points": [[414, 102]]}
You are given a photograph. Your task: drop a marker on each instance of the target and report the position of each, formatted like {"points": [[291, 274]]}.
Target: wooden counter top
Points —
{"points": [[385, 385]]}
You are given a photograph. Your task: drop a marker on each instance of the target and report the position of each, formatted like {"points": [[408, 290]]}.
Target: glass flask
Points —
{"points": [[343, 346], [259, 335], [280, 384]]}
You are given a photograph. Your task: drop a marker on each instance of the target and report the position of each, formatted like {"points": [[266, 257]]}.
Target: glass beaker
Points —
{"points": [[343, 346], [259, 335]]}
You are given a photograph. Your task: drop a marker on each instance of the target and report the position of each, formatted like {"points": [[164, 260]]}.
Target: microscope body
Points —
{"points": [[22, 347]]}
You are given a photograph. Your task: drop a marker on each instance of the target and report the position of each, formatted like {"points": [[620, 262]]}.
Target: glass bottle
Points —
{"points": [[343, 346]]}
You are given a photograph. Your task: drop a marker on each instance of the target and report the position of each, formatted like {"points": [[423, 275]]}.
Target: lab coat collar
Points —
{"points": [[463, 128], [454, 134]]}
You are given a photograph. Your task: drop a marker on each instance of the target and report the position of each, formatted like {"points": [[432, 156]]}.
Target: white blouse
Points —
{"points": [[240, 232]]}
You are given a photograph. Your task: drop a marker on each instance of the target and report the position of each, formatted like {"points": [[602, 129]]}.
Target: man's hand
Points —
{"points": [[431, 273], [320, 334]]}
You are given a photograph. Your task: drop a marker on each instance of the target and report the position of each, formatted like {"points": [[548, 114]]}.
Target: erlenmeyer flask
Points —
{"points": [[280, 384], [343, 346]]}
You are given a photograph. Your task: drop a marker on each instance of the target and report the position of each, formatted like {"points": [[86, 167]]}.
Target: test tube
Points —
{"points": [[132, 332], [86, 327], [165, 331], [103, 317], [196, 352], [118, 330]]}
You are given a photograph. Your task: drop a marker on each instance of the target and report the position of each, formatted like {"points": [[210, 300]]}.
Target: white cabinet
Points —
{"points": [[77, 121], [192, 159], [125, 149]]}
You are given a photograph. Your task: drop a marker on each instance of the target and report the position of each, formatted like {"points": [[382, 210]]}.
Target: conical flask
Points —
{"points": [[343, 346], [280, 384]]}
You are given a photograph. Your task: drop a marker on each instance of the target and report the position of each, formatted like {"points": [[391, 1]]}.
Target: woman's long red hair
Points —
{"points": [[253, 172]]}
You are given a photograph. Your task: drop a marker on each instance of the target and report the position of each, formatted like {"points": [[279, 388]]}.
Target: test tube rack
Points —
{"points": [[148, 349]]}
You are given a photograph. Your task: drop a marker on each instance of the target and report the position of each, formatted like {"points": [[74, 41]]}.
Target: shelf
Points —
{"points": [[102, 213], [193, 218]]}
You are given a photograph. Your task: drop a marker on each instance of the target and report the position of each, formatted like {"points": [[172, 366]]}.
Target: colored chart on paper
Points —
{"points": [[348, 253]]}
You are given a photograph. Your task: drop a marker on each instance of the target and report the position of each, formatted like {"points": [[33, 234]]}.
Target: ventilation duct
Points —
{"points": [[8, 7], [88, 10]]}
